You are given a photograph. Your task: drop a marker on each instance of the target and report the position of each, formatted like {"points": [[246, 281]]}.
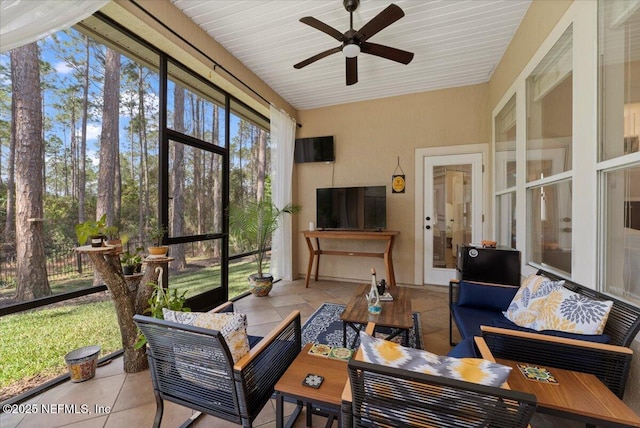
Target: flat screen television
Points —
{"points": [[316, 149], [352, 208]]}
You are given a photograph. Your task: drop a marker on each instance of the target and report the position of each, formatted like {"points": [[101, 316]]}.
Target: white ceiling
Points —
{"points": [[455, 42]]}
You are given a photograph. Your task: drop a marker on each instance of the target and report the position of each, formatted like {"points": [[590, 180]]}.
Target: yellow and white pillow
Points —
{"points": [[530, 299], [391, 354], [568, 311], [232, 326]]}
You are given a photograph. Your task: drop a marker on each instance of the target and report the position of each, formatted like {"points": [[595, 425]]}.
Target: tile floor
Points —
{"points": [[116, 399]]}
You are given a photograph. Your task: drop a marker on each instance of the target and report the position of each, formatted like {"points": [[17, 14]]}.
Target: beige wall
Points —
{"points": [[369, 138], [536, 25]]}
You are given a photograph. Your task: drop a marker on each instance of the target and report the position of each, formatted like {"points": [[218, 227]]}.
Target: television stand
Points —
{"points": [[350, 235]]}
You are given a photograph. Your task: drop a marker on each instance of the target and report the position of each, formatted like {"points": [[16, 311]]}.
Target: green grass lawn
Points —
{"points": [[34, 343]]}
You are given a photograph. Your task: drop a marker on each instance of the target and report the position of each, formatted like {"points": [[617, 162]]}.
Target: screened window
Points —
{"points": [[619, 23], [549, 111], [619, 77], [549, 233], [505, 126]]}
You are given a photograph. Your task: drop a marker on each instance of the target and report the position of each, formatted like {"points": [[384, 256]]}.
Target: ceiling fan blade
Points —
{"points": [[319, 25], [387, 52], [379, 22], [317, 57], [352, 71]]}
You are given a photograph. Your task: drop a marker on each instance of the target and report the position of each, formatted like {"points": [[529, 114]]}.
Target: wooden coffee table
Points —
{"points": [[326, 398], [396, 314], [578, 396]]}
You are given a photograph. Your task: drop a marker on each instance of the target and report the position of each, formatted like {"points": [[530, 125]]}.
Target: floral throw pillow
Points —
{"points": [[232, 326], [391, 354], [568, 311], [529, 300]]}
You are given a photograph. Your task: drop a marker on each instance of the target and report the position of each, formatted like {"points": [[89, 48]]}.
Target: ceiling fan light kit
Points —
{"points": [[354, 42]]}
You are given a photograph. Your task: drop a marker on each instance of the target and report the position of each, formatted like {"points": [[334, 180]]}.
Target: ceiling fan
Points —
{"points": [[354, 42]]}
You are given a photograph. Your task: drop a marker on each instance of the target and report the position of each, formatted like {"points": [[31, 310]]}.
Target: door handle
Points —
{"points": [[427, 227]]}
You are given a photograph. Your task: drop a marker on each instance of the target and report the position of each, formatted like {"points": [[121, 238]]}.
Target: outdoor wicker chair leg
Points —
{"points": [[159, 410], [191, 420]]}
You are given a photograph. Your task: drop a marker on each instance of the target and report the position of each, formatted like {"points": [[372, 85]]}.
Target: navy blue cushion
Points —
{"points": [[503, 322], [465, 349], [253, 340], [492, 297], [469, 320]]}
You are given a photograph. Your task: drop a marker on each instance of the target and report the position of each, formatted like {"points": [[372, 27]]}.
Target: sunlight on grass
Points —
{"points": [[35, 342]]}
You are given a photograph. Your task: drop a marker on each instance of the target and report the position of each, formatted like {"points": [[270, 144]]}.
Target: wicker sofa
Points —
{"points": [[607, 356]]}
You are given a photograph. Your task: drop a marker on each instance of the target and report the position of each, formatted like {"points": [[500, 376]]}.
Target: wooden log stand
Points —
{"points": [[128, 295], [315, 253]]}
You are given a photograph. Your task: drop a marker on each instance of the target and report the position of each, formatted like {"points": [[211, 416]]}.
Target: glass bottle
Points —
{"points": [[373, 298]]}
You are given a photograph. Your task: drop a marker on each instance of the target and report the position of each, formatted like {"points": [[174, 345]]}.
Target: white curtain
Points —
{"points": [[25, 21], [283, 131]]}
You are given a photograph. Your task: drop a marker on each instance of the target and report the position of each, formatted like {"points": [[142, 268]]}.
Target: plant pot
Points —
{"points": [[117, 243], [138, 268], [158, 252], [260, 286], [97, 240], [128, 269]]}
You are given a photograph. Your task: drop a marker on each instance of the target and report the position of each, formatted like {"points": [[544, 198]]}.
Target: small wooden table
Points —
{"points": [[579, 396], [351, 235], [326, 398], [395, 314]]}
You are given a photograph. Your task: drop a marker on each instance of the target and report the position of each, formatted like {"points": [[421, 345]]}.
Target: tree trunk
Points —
{"points": [[128, 301], [262, 164], [110, 138], [177, 180], [82, 167], [10, 225], [31, 273]]}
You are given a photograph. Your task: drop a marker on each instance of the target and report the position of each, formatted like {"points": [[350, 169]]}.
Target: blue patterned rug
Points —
{"points": [[325, 326]]}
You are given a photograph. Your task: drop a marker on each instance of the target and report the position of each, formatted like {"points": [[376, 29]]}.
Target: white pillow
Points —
{"points": [[529, 300], [232, 326]]}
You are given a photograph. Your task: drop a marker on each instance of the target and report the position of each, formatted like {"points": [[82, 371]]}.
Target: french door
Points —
{"points": [[452, 211]]}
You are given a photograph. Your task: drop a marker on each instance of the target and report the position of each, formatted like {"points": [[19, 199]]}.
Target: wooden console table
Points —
{"points": [[314, 253]]}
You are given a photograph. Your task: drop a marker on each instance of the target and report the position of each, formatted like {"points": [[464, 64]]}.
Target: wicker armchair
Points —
{"points": [[192, 366], [385, 396], [609, 363]]}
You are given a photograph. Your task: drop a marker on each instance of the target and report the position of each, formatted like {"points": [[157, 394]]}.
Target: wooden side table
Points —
{"points": [[387, 236], [326, 398]]}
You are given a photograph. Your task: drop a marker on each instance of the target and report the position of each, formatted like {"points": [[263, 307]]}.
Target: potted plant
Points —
{"points": [[156, 234], [113, 237], [131, 261], [92, 231], [253, 224], [162, 298]]}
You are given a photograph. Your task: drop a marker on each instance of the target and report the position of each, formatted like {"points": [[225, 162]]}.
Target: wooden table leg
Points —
{"points": [[310, 266], [317, 252], [388, 262]]}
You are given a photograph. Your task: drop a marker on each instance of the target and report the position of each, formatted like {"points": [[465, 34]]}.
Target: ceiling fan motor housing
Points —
{"points": [[351, 5]]}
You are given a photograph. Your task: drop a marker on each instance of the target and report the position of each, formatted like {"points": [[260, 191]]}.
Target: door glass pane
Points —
{"points": [[549, 108], [506, 225], [550, 225], [505, 127], [622, 233], [452, 210], [620, 77], [195, 191]]}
